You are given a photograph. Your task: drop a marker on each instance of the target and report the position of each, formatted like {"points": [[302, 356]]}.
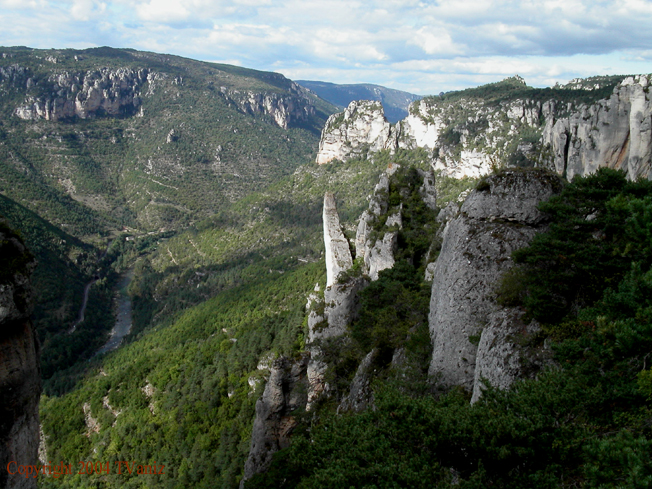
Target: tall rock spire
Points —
{"points": [[338, 254]]}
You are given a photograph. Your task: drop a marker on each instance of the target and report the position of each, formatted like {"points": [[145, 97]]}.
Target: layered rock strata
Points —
{"points": [[284, 110], [499, 217], [470, 136], [20, 380]]}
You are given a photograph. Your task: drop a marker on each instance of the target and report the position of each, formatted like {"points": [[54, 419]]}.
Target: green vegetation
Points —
{"points": [[584, 422], [197, 418], [94, 175], [600, 227], [216, 210], [514, 88]]}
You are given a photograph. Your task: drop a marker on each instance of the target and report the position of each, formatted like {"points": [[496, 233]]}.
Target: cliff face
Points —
{"points": [[472, 336], [567, 129], [338, 255], [465, 137], [361, 126], [284, 110], [20, 381], [615, 132], [64, 95], [284, 392]]}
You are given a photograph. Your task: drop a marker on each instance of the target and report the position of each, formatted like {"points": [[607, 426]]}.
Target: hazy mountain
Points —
{"points": [[395, 102]]}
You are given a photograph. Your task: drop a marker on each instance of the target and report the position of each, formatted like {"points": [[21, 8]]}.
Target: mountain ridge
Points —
{"points": [[395, 102]]}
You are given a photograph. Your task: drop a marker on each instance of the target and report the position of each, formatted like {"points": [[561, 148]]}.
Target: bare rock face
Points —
{"points": [[614, 133], [20, 380], [346, 134], [85, 95], [360, 395], [329, 321], [503, 354], [284, 110], [285, 392], [338, 255], [380, 255], [496, 219]]}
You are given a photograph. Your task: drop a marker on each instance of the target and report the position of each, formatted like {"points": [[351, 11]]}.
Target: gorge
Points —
{"points": [[323, 298]]}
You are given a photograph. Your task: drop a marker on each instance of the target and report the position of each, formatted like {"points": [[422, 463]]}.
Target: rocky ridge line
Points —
{"points": [[65, 95], [565, 136]]}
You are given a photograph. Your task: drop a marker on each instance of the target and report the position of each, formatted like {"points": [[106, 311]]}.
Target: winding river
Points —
{"points": [[123, 317]]}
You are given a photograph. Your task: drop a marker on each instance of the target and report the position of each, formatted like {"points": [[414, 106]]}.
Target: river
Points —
{"points": [[123, 317]]}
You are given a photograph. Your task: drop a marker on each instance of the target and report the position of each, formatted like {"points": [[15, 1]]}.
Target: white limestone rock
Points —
{"points": [[380, 255], [284, 110], [503, 353], [338, 254], [496, 219], [86, 94], [614, 133], [346, 134]]}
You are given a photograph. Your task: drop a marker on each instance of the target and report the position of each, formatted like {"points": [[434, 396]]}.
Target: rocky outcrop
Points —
{"points": [[20, 380], [85, 95], [328, 320], [285, 110], [284, 393], [329, 317], [362, 126], [614, 133], [503, 354], [499, 217], [377, 250], [338, 254], [465, 138], [360, 395], [469, 136]]}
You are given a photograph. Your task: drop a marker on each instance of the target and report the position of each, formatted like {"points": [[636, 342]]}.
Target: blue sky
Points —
{"points": [[420, 46]]}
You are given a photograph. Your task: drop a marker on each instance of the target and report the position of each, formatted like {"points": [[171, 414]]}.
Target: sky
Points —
{"points": [[423, 47]]}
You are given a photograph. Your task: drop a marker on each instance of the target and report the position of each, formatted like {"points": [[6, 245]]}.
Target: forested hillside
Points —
{"points": [[102, 144], [199, 181]]}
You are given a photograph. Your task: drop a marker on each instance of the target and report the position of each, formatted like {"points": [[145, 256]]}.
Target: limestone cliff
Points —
{"points": [[86, 94], [20, 381], [466, 137], [338, 255], [362, 126], [615, 132], [284, 109], [64, 94], [572, 129], [468, 329]]}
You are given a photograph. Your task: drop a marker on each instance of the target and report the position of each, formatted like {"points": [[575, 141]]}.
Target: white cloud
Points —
{"points": [[87, 9], [436, 41], [163, 11], [407, 43]]}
